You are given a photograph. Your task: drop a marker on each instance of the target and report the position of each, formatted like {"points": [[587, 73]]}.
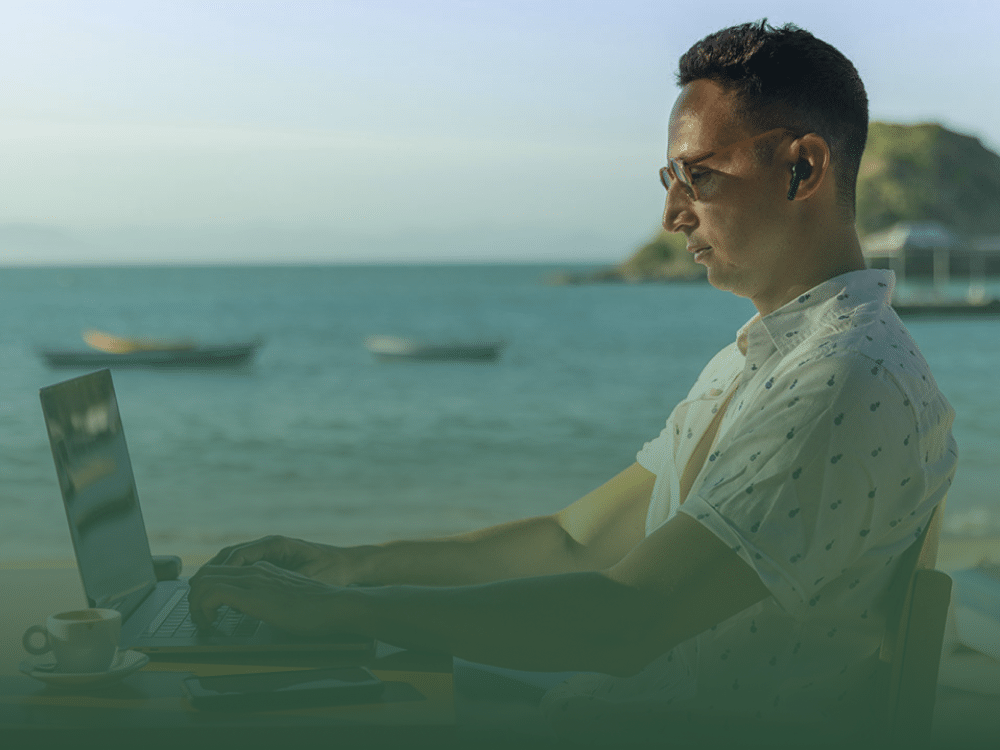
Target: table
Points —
{"points": [[146, 709]]}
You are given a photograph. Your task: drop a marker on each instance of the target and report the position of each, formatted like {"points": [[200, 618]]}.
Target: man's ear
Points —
{"points": [[809, 166]]}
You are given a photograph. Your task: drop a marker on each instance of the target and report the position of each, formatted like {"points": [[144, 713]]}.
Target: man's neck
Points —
{"points": [[819, 255]]}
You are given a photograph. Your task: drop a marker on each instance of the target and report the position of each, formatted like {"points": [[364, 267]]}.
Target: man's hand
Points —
{"points": [[320, 561], [284, 598]]}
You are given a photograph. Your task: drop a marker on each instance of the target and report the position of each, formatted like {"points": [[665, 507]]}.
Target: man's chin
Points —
{"points": [[723, 282], [718, 280]]}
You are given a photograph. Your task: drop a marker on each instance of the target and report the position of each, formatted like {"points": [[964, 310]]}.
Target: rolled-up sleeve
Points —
{"points": [[833, 465]]}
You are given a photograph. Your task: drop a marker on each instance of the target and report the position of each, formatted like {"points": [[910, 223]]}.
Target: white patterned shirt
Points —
{"points": [[834, 450]]}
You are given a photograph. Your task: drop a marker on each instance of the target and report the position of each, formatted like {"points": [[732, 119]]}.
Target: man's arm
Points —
{"points": [[593, 533], [675, 583]]}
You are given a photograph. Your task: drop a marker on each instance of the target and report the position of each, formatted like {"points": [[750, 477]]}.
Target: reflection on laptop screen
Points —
{"points": [[95, 476]]}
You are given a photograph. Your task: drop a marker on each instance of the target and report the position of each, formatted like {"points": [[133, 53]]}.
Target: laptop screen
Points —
{"points": [[98, 489]]}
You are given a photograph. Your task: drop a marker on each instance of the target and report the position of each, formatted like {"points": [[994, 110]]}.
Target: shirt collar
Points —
{"points": [[789, 325]]}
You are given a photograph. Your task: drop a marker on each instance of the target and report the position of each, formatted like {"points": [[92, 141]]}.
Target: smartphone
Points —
{"points": [[271, 691]]}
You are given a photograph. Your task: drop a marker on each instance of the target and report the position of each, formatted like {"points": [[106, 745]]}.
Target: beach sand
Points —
{"points": [[957, 552]]}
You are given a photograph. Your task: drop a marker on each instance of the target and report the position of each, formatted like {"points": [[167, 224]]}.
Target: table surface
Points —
{"points": [[418, 691], [968, 697]]}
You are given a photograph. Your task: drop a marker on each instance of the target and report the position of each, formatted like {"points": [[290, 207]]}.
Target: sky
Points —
{"points": [[397, 130]]}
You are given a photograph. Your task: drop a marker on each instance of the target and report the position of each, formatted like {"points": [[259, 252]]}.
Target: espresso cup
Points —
{"points": [[84, 640]]}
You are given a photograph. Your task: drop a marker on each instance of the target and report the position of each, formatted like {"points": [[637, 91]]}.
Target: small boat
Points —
{"points": [[394, 348], [108, 350]]}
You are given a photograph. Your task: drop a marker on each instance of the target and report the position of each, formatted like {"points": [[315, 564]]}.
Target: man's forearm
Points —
{"points": [[530, 547], [574, 621], [593, 533]]}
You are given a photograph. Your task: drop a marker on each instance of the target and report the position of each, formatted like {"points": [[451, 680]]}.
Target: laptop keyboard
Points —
{"points": [[174, 621]]}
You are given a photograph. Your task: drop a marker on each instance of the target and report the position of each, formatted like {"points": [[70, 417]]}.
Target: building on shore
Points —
{"points": [[928, 250]]}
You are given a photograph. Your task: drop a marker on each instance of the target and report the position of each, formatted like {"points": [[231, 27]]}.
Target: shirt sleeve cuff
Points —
{"points": [[786, 590]]}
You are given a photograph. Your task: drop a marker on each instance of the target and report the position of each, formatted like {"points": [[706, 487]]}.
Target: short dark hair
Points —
{"points": [[786, 77]]}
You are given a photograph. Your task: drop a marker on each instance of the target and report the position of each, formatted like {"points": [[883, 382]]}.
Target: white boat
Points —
{"points": [[395, 348]]}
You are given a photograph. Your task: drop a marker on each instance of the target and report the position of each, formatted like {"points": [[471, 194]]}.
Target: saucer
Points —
{"points": [[44, 668]]}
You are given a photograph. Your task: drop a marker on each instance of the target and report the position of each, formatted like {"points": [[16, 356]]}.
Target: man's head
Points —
{"points": [[786, 77], [762, 160]]}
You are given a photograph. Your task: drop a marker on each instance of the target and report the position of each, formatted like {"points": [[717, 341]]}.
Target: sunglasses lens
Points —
{"points": [[680, 169], [675, 171]]}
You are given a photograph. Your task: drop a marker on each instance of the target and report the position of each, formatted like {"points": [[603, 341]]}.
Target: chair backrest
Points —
{"points": [[911, 649]]}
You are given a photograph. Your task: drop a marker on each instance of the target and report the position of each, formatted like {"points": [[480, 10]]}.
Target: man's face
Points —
{"points": [[737, 228]]}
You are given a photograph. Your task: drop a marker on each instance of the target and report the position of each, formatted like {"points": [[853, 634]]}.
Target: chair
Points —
{"points": [[911, 648], [910, 655]]}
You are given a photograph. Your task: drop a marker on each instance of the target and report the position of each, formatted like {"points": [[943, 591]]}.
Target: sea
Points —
{"points": [[316, 439]]}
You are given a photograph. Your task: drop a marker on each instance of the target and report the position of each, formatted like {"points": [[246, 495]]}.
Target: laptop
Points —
{"points": [[110, 542]]}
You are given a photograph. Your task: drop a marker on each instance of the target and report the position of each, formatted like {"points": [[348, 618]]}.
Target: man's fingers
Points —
{"points": [[231, 587], [214, 595], [263, 590], [248, 553], [269, 566], [223, 554], [235, 555], [234, 584], [218, 558]]}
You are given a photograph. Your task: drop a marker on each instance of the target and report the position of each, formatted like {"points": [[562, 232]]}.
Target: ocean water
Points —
{"points": [[317, 439]]}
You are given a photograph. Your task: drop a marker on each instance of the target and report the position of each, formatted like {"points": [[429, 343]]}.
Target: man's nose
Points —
{"points": [[678, 210]]}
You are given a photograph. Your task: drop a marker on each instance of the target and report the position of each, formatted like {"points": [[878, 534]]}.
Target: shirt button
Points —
{"points": [[714, 392]]}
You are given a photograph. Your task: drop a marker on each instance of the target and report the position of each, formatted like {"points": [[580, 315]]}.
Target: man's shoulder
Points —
{"points": [[870, 339], [874, 383], [872, 361]]}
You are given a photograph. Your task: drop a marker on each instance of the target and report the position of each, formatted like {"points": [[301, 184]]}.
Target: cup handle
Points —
{"points": [[29, 646]]}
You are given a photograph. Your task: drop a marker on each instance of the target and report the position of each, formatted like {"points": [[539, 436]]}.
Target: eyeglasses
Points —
{"points": [[680, 169]]}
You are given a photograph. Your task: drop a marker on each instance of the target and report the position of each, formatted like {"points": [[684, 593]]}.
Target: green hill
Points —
{"points": [[663, 258], [928, 173], [908, 173]]}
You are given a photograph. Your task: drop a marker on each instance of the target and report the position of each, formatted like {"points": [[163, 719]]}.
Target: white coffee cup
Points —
{"points": [[84, 640]]}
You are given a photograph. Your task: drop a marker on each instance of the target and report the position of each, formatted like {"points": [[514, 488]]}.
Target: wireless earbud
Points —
{"points": [[800, 171]]}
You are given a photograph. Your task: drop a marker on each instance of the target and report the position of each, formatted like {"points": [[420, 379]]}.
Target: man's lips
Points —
{"points": [[698, 252]]}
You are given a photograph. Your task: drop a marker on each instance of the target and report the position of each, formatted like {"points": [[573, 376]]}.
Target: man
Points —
{"points": [[740, 565]]}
